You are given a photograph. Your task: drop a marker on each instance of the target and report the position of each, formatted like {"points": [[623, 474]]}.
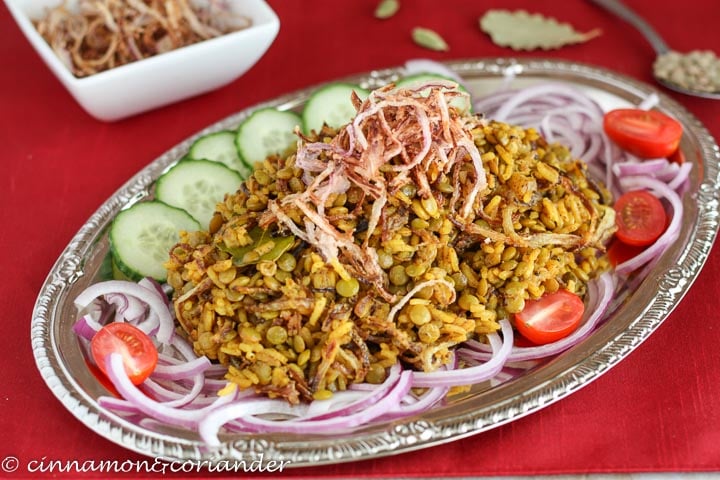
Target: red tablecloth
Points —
{"points": [[656, 411]]}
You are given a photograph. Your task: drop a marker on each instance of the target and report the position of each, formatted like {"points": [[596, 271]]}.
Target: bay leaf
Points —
{"points": [[521, 30]]}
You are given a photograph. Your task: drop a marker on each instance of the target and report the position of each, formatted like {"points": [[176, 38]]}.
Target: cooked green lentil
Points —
{"points": [[303, 291]]}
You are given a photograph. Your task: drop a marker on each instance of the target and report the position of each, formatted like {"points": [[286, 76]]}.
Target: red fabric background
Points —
{"points": [[656, 411]]}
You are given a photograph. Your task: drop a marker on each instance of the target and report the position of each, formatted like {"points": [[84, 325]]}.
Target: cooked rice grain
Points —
{"points": [[291, 323]]}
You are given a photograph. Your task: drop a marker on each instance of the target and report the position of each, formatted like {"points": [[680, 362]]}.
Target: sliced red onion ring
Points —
{"points": [[565, 134], [127, 308], [668, 173], [346, 401], [335, 409], [149, 297], [471, 375], [646, 167], [541, 90], [150, 324], [97, 314], [86, 327], [592, 148], [649, 102], [412, 405], [429, 399], [607, 159], [480, 352], [157, 410], [501, 378], [182, 370], [336, 423], [173, 397], [213, 385], [492, 102], [152, 284], [209, 427], [363, 386], [118, 405], [216, 370], [183, 347], [681, 177], [424, 65]]}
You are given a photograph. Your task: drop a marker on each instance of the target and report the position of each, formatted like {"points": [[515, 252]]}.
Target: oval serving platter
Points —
{"points": [[62, 363]]}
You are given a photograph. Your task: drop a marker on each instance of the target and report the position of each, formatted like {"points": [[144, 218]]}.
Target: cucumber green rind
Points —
{"points": [[220, 147], [107, 269], [331, 104], [265, 132], [197, 186], [464, 106], [119, 273], [142, 235]]}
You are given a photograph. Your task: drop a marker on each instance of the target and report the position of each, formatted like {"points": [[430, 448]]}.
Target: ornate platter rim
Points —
{"points": [[631, 323]]}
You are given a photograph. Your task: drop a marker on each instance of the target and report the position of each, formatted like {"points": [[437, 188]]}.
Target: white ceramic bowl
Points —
{"points": [[156, 81]]}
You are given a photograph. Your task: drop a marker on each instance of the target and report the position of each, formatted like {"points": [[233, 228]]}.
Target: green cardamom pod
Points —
{"points": [[429, 39], [387, 8]]}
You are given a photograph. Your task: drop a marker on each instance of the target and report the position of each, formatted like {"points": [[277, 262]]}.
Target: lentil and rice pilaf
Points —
{"points": [[395, 238]]}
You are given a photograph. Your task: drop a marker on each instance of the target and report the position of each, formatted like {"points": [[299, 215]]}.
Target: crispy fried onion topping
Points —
{"points": [[398, 137], [102, 34]]}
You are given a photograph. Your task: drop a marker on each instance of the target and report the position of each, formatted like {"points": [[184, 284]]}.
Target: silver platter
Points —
{"points": [[61, 360]]}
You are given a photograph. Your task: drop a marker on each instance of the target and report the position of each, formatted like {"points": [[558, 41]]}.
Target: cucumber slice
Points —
{"points": [[266, 132], [119, 274], [197, 186], [220, 147], [464, 105], [332, 105], [141, 238]]}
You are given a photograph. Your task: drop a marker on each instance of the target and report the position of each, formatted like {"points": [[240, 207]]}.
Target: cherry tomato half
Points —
{"points": [[677, 157], [640, 218], [140, 356], [620, 252], [550, 318], [645, 133], [102, 378]]}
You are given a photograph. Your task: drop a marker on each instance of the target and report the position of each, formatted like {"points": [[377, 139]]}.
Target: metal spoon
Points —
{"points": [[658, 44]]}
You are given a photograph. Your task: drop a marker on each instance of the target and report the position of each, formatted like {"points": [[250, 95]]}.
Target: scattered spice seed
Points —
{"points": [[429, 39], [387, 8], [698, 70]]}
